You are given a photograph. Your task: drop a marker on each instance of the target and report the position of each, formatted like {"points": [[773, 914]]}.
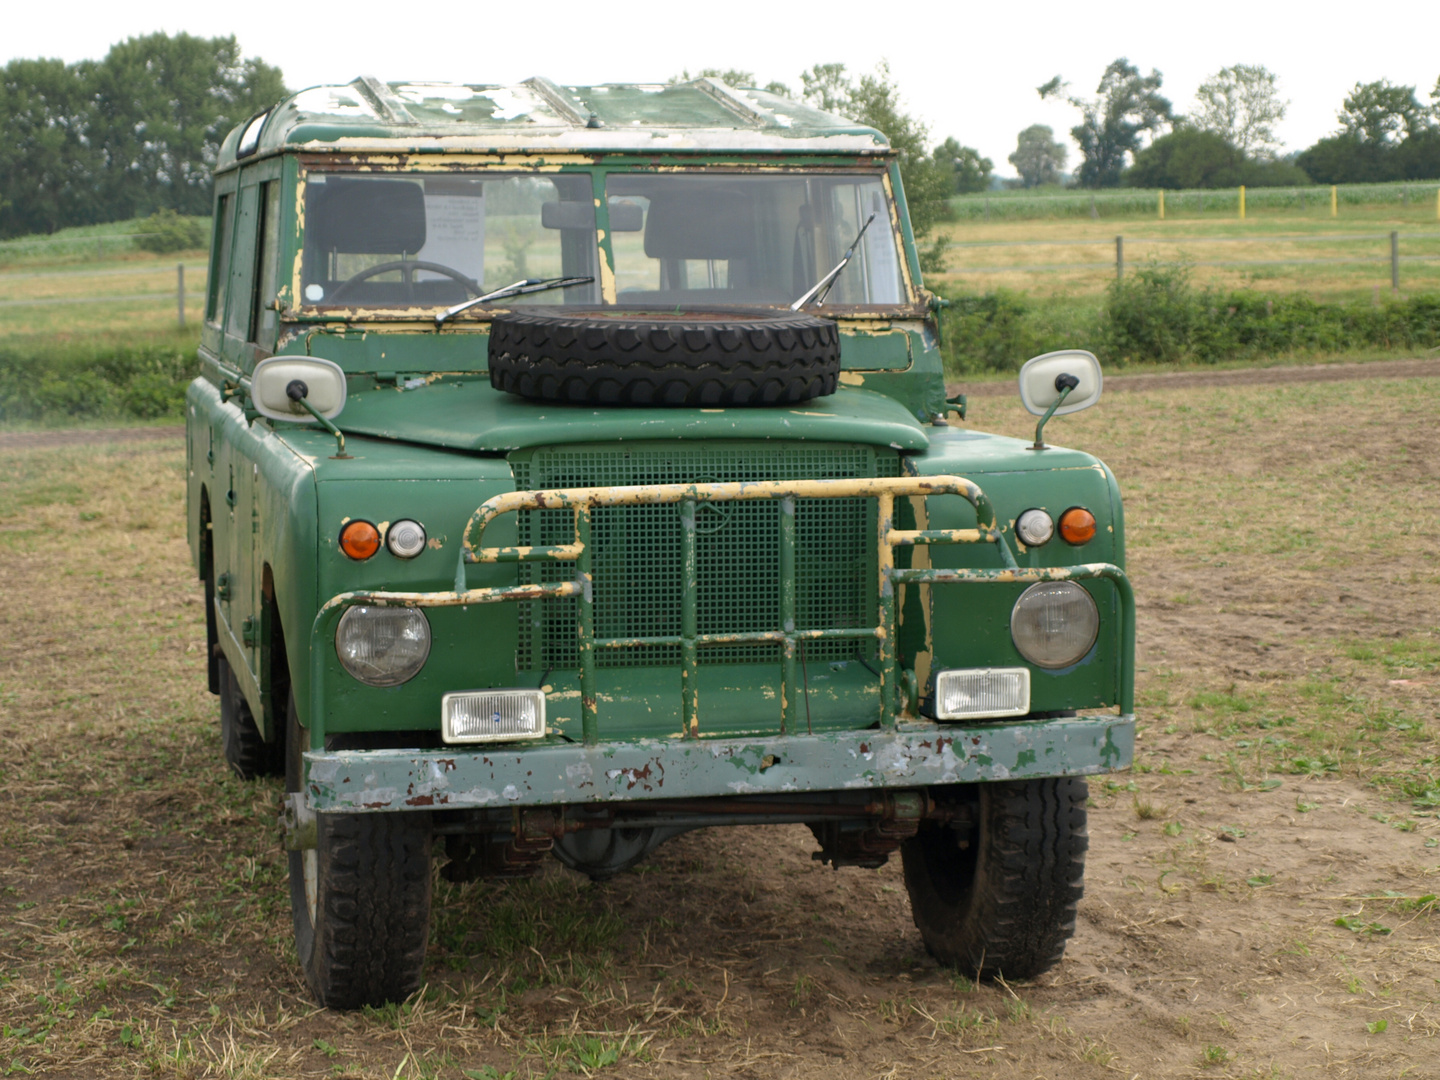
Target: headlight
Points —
{"points": [[1054, 623], [383, 646]]}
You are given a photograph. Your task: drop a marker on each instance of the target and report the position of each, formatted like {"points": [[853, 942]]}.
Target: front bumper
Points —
{"points": [[915, 755]]}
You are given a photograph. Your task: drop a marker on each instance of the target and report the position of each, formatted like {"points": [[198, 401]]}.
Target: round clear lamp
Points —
{"points": [[1054, 623], [383, 646]]}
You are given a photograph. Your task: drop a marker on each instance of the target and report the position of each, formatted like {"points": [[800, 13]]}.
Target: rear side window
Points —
{"points": [[219, 257], [240, 294], [263, 317]]}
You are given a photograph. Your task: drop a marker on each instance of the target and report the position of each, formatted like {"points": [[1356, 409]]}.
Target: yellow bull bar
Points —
{"points": [[583, 501]]}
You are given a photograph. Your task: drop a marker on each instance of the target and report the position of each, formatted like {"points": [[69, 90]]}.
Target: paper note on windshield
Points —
{"points": [[455, 234]]}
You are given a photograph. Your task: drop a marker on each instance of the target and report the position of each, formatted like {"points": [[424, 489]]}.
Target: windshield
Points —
{"points": [[747, 238], [725, 239], [433, 241]]}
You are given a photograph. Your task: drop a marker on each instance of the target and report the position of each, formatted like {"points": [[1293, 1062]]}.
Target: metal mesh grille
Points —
{"points": [[636, 552]]}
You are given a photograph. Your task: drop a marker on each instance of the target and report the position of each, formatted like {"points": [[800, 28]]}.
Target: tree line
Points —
{"points": [[136, 132], [1130, 134]]}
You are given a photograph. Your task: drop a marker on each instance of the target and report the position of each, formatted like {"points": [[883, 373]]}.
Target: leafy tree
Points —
{"points": [[162, 106], [1418, 157], [1348, 159], [49, 171], [971, 171], [135, 132], [1038, 158], [1186, 158], [1380, 112], [1128, 106], [874, 100], [1241, 104], [1192, 158]]}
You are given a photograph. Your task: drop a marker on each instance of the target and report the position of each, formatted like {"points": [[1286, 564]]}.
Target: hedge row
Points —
{"points": [[1156, 316], [144, 381]]}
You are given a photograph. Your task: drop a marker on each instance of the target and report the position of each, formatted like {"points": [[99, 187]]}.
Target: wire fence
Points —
{"points": [[90, 296], [1116, 202], [1122, 243]]}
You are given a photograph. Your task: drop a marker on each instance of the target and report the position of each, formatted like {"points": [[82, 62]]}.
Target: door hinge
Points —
{"points": [[222, 586], [250, 630]]}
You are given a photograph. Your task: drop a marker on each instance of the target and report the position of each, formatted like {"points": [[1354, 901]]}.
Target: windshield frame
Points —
{"points": [[599, 169]]}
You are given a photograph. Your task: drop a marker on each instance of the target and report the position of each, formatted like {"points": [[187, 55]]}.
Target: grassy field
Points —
{"points": [[1261, 888], [1056, 251]]}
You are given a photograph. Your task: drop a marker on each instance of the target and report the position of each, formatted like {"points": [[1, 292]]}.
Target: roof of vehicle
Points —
{"points": [[538, 115]]}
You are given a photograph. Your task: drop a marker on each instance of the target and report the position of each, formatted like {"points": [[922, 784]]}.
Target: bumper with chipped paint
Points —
{"points": [[568, 773]]}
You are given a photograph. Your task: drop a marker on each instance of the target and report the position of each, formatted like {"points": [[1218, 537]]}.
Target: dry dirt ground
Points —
{"points": [[1260, 896]]}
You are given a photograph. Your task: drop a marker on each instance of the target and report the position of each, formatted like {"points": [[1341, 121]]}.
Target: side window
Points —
{"points": [[219, 258], [240, 300], [263, 315]]}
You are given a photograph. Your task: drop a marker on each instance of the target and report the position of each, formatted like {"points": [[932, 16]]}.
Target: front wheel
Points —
{"points": [[360, 899], [995, 892]]}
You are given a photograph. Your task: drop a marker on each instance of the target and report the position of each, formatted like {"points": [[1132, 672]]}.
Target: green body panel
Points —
{"points": [[466, 414], [561, 773], [970, 627]]}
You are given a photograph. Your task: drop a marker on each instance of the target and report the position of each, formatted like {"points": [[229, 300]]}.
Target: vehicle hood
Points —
{"points": [[467, 414]]}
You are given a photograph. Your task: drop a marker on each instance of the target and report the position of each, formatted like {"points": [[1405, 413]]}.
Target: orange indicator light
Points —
{"points": [[1077, 526], [360, 539]]}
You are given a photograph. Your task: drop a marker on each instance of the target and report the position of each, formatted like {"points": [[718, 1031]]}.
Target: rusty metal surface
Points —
{"points": [[584, 501], [920, 755]]}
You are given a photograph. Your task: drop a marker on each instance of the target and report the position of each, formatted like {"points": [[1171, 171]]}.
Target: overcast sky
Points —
{"points": [[968, 70]]}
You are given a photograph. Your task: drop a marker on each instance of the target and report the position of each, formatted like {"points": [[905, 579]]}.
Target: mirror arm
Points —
{"points": [[298, 392], [1064, 383]]}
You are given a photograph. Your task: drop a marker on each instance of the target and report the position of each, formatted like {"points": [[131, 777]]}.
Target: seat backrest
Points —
{"points": [[368, 217], [700, 222]]}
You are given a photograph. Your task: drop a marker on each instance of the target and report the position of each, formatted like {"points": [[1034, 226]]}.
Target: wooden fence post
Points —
{"points": [[1334, 201], [1242, 202], [180, 293], [1162, 204], [1395, 261], [1119, 258]]}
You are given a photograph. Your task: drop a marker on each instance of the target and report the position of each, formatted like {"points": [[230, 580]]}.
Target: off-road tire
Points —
{"points": [[246, 751], [365, 944], [1005, 904], [692, 359]]}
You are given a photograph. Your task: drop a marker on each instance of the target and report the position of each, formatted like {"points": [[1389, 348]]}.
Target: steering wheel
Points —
{"points": [[407, 268]]}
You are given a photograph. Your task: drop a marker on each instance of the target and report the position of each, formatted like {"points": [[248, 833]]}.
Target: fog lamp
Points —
{"points": [[977, 693], [383, 646], [1054, 623], [492, 715]]}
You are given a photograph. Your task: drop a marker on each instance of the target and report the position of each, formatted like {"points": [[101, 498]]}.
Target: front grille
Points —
{"points": [[636, 551]]}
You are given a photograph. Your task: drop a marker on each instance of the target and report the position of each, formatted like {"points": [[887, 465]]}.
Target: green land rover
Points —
{"points": [[571, 467]]}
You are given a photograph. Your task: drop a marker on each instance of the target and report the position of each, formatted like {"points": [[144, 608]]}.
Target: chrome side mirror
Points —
{"points": [[322, 388], [1058, 383]]}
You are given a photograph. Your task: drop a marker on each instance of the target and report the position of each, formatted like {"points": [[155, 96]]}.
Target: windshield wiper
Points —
{"points": [[515, 288], [823, 285]]}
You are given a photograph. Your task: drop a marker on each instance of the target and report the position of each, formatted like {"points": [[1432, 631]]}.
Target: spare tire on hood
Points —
{"points": [[706, 358]]}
